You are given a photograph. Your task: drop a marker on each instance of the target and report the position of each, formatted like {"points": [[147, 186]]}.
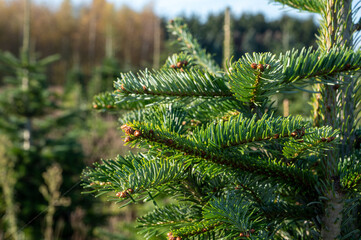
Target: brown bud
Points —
{"points": [[151, 131], [348, 66], [323, 139], [124, 126], [95, 106], [254, 65], [204, 230], [268, 66], [118, 90], [118, 194], [128, 130], [123, 194], [184, 123], [185, 62], [91, 184], [169, 142], [247, 235], [144, 88], [102, 183], [169, 234], [330, 139], [179, 64], [303, 132], [109, 106], [122, 87], [173, 66], [294, 134], [241, 234], [130, 190], [276, 136], [127, 139], [178, 238], [137, 133], [260, 67], [252, 230]]}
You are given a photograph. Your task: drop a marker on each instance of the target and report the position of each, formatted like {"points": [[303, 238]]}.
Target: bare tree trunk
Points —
{"points": [[286, 107], [227, 43], [109, 41], [92, 39], [156, 48]]}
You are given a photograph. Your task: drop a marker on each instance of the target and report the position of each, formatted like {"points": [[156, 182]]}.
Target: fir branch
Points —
{"points": [[180, 62], [349, 169], [171, 117], [254, 195], [240, 130], [160, 220], [107, 101], [104, 101], [170, 83], [152, 134], [308, 64], [267, 198], [203, 229], [234, 213], [192, 47], [255, 78], [314, 141], [131, 176], [315, 6]]}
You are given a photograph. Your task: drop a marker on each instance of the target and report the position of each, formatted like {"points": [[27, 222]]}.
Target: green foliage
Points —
{"points": [[214, 144], [28, 106], [192, 47], [271, 75], [316, 6]]}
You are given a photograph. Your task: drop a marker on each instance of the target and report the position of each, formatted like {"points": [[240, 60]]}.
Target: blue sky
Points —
{"points": [[173, 8]]}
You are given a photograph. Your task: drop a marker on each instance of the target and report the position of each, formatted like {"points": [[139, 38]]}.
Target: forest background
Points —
{"points": [[40, 192]]}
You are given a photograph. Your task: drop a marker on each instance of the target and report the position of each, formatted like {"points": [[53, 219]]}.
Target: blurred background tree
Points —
{"points": [[94, 43]]}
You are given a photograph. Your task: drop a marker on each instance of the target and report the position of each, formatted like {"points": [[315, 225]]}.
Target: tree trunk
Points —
{"points": [[157, 38], [25, 78], [227, 43], [338, 34]]}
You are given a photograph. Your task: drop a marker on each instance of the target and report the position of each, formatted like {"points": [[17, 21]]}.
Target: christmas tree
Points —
{"points": [[36, 132], [213, 141]]}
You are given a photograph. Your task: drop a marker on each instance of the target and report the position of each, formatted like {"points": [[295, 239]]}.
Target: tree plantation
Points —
{"points": [[212, 141], [122, 124]]}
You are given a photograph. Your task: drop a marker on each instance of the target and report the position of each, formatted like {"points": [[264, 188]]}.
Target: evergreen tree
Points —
{"points": [[215, 144], [33, 119]]}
